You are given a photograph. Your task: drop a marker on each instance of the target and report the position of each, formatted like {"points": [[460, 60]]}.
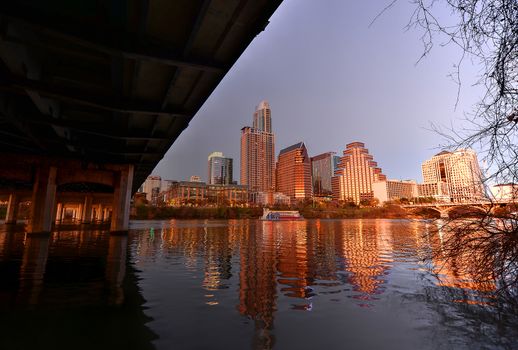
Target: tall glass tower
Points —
{"points": [[220, 169], [258, 152]]}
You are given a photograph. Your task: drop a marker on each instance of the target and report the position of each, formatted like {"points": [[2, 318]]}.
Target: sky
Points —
{"points": [[332, 79]]}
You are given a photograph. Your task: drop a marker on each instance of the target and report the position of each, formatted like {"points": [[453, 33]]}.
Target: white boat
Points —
{"points": [[281, 215]]}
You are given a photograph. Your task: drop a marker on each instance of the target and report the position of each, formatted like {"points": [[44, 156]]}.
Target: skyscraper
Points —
{"points": [[323, 168], [220, 169], [356, 173], [459, 170], [151, 187], [294, 172], [258, 151]]}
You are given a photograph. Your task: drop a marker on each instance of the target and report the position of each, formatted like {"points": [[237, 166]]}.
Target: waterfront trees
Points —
{"points": [[486, 31]]}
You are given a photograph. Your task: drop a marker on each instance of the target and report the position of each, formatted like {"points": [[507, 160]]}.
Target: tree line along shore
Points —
{"points": [[309, 212]]}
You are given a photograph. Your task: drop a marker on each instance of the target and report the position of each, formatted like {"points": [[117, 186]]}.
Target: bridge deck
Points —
{"points": [[114, 81]]}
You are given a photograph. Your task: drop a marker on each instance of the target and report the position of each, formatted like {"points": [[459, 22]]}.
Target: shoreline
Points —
{"points": [[189, 213]]}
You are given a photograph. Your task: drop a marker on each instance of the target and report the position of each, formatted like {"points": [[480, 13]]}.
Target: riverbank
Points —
{"points": [[164, 213]]}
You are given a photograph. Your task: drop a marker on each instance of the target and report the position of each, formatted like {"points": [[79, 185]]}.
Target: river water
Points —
{"points": [[246, 284]]}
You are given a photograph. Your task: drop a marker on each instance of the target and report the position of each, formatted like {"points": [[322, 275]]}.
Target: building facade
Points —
{"points": [[356, 173], [505, 192], [459, 170], [189, 193], [269, 198], [220, 169], [152, 187], [294, 172], [390, 190], [258, 152], [437, 191], [323, 167], [195, 178]]}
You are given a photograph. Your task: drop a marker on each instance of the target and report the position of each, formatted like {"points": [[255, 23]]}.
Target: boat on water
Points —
{"points": [[281, 215]]}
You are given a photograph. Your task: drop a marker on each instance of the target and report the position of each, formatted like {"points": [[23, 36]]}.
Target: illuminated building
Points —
{"points": [[459, 170], [323, 168], [220, 169], [294, 172], [356, 173], [199, 193], [437, 190], [269, 198], [394, 189], [151, 187], [258, 152]]}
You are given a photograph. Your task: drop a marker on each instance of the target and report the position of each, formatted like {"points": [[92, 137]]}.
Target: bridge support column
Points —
{"points": [[59, 212], [87, 210], [43, 199], [12, 209], [100, 216], [79, 213], [121, 201]]}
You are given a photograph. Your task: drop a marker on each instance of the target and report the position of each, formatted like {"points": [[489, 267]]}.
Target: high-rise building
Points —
{"points": [[151, 187], [459, 170], [323, 167], [294, 172], [258, 152], [220, 169], [356, 173]]}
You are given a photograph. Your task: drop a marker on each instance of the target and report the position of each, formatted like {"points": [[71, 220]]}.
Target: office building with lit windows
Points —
{"points": [[459, 170], [356, 173], [389, 190], [323, 167], [220, 169], [294, 172]]}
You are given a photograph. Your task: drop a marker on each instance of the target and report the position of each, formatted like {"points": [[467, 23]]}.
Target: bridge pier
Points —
{"points": [[86, 217], [12, 209], [58, 188], [121, 201], [43, 199]]}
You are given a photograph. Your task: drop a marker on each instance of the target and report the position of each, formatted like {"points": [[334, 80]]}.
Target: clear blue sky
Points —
{"points": [[330, 80]]}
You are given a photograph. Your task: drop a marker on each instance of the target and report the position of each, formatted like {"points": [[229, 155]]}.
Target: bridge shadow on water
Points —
{"points": [[70, 290]]}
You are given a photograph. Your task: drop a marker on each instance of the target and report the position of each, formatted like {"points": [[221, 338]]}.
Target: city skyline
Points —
{"points": [[352, 91]]}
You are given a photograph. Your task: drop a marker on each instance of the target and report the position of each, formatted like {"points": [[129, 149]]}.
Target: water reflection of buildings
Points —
{"points": [[54, 288], [290, 265], [464, 265]]}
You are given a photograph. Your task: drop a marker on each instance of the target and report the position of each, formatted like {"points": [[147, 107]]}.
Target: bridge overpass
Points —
{"points": [[93, 94]]}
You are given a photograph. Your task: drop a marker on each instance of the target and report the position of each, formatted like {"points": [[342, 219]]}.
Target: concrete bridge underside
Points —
{"points": [[93, 94], [54, 185]]}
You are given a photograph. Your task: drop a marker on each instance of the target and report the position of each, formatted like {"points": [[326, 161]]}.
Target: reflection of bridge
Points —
{"points": [[444, 209], [93, 95]]}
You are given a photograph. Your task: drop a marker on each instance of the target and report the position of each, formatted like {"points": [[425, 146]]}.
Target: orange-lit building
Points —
{"points": [[199, 193], [356, 173], [459, 170], [294, 172], [258, 152]]}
